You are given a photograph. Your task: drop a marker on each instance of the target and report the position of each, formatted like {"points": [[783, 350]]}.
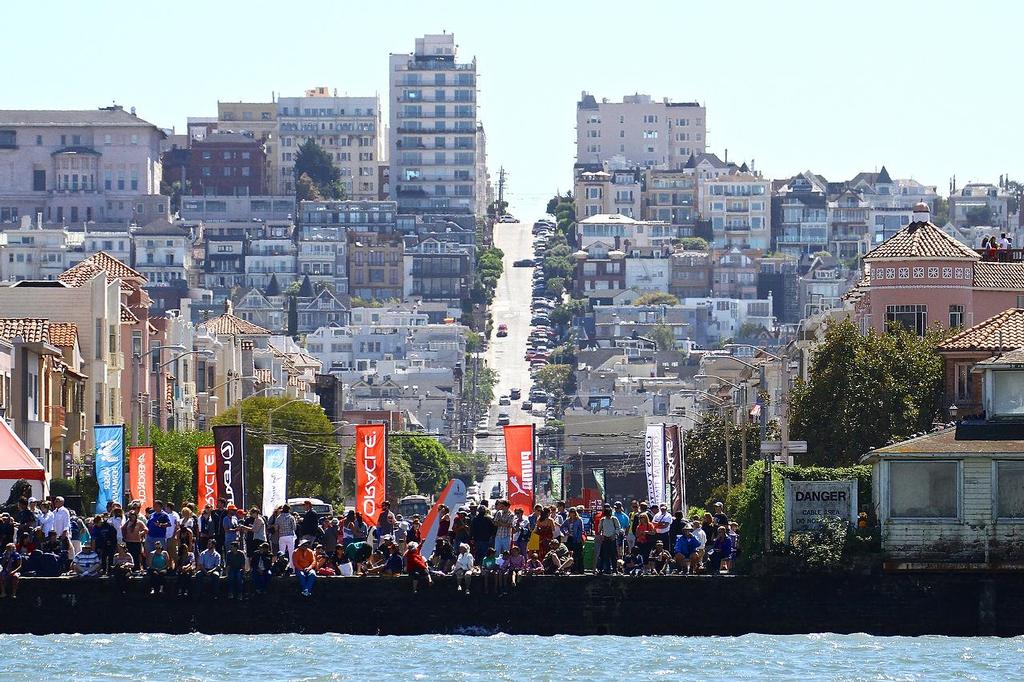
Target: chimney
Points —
{"points": [[922, 213]]}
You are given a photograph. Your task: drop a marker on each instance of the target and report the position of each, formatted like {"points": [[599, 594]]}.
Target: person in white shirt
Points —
{"points": [[662, 521], [463, 569], [61, 518], [44, 517], [117, 520], [702, 539], [175, 521]]}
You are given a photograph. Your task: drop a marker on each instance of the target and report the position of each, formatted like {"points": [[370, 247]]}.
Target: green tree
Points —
{"points": [[656, 298], [940, 216], [555, 379], [306, 189], [313, 462], [563, 313], [431, 463], [979, 215], [314, 162], [663, 336], [694, 243], [556, 287], [866, 391], [175, 455], [705, 454], [175, 190]]}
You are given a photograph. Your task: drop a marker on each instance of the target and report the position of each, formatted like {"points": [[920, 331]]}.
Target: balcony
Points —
{"points": [[738, 228], [115, 361]]}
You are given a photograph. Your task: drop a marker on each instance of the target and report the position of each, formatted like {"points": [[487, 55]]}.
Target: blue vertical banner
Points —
{"points": [[109, 464]]}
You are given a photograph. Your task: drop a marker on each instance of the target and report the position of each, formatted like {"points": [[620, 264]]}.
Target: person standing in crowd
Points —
{"points": [[104, 538], [171, 542], [207, 528], [385, 520], [503, 523], [401, 532], [122, 567], [720, 517], [623, 519], [662, 521], [310, 527], [415, 532], [608, 531], [645, 535], [61, 518], [44, 518], [286, 528], [331, 534], [676, 529], [545, 530], [10, 571], [444, 523], [482, 530], [229, 526], [134, 533], [234, 563], [463, 570], [208, 573], [572, 537], [159, 563], [460, 528], [520, 530], [156, 526], [7, 529], [303, 561]]}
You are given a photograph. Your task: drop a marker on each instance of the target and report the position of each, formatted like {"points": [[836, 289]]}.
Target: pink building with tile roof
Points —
{"points": [[925, 279]]}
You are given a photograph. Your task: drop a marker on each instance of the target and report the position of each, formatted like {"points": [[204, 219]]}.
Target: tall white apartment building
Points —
{"points": [[648, 133], [348, 128], [434, 148]]}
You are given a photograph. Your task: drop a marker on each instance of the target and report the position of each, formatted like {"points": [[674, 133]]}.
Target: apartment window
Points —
{"points": [[964, 381], [956, 316], [923, 490], [1010, 490], [8, 138], [135, 180], [39, 181], [98, 339], [913, 317]]}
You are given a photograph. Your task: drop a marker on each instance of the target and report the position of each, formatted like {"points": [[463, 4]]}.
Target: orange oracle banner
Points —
{"points": [[519, 461], [207, 485], [141, 475], [370, 468]]}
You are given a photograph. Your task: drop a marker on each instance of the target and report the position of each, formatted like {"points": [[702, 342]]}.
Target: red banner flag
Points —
{"points": [[519, 461], [141, 473], [370, 470], [207, 489]]}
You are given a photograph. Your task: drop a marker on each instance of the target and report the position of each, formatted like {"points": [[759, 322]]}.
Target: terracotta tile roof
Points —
{"points": [[127, 316], [79, 274], [999, 275], [228, 324], [63, 334], [922, 240], [1004, 331], [30, 329]]}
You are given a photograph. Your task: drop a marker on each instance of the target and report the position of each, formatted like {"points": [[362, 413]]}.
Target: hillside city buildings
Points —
{"points": [[151, 277]]}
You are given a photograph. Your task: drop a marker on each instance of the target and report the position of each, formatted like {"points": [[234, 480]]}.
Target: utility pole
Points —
{"points": [[744, 417], [501, 192]]}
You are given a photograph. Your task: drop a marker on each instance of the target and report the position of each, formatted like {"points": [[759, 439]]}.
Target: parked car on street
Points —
{"points": [[523, 263], [503, 419], [503, 400], [502, 330]]}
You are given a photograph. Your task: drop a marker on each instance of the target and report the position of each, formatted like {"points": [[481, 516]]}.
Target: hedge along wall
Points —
{"points": [[746, 501]]}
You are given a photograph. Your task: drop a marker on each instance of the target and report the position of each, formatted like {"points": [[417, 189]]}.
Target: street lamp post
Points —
{"points": [[137, 357]]}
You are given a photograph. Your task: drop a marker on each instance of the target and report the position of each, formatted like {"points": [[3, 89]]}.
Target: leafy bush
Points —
{"points": [[824, 547]]}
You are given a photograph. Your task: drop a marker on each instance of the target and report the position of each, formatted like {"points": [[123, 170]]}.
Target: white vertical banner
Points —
{"points": [[275, 477], [654, 462]]}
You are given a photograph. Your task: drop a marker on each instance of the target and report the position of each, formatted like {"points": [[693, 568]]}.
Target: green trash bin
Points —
{"points": [[589, 557]]}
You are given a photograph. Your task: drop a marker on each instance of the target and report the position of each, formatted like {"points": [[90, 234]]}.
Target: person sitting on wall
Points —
{"points": [[416, 567], [558, 560], [721, 551], [687, 552], [208, 571], [87, 563], [303, 560]]}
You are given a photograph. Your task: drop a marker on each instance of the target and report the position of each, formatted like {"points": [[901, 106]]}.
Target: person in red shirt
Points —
{"points": [[416, 566]]}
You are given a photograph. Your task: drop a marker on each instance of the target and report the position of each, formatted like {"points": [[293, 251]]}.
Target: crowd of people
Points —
{"points": [[997, 249], [226, 551]]}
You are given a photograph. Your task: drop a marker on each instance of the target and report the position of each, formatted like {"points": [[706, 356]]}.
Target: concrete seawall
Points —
{"points": [[583, 605]]}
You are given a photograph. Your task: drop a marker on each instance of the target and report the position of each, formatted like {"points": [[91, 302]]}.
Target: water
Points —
{"points": [[507, 657]]}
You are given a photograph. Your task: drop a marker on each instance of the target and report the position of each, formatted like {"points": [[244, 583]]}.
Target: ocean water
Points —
{"points": [[508, 657]]}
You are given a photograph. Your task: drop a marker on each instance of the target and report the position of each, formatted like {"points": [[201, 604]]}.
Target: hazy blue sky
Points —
{"points": [[927, 88]]}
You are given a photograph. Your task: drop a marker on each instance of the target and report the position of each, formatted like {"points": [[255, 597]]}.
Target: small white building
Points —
{"points": [[957, 495]]}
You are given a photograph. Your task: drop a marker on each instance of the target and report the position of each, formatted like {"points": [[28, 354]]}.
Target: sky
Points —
{"points": [[929, 89]]}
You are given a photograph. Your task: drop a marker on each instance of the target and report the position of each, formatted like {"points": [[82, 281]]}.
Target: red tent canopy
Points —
{"points": [[16, 460]]}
